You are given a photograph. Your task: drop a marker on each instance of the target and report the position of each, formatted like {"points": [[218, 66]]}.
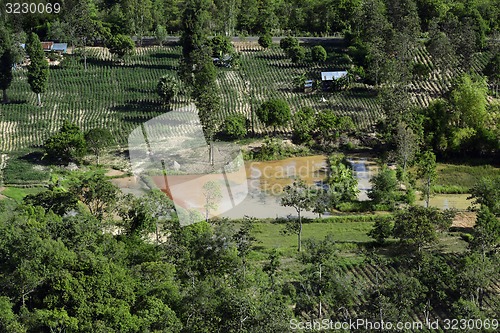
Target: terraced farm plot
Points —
{"points": [[122, 96]]}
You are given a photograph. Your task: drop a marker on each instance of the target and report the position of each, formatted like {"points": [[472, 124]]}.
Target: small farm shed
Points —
{"points": [[51, 46], [47, 46], [327, 78], [60, 47], [308, 86]]}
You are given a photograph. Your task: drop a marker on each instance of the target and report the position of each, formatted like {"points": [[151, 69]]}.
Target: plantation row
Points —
{"points": [[120, 96]]}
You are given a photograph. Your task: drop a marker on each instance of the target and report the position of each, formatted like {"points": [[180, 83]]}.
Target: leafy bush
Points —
{"points": [[288, 42], [67, 145], [274, 112], [234, 126], [265, 41], [120, 45], [168, 88], [318, 53], [296, 53]]}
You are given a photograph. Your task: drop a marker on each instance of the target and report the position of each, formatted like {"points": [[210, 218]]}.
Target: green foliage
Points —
{"points": [[382, 229], [38, 69], [297, 196], [417, 226], [487, 192], [120, 45], [168, 88], [318, 53], [67, 145], [97, 193], [296, 53], [274, 112], [342, 185], [426, 171], [98, 139], [265, 41], [288, 42], [303, 124], [384, 187], [329, 127], [468, 100], [213, 195], [6, 62], [56, 200], [221, 46], [234, 126], [486, 231]]}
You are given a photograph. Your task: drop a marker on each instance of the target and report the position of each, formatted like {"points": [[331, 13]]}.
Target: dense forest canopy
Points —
{"points": [[278, 17]]}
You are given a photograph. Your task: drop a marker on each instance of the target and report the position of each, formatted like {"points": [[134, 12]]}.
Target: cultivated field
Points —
{"points": [[122, 96]]}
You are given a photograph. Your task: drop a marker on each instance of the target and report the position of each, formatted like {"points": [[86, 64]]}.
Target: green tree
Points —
{"points": [[297, 196], [120, 46], [469, 102], [342, 185], [274, 112], [168, 88], [426, 171], [265, 41], [234, 126], [486, 231], [98, 139], [296, 53], [6, 63], [318, 53], [288, 42], [67, 145], [384, 188], [221, 46], [487, 192], [382, 229], [82, 24], [38, 69], [139, 17], [245, 240], [97, 193], [161, 34], [475, 277], [195, 21], [417, 226], [9, 322], [303, 124], [213, 196], [56, 200], [406, 146]]}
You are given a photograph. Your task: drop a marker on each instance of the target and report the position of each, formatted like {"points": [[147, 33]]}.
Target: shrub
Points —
{"points": [[318, 53], [120, 45], [168, 88], [67, 145], [288, 42], [234, 126], [275, 112], [382, 230], [265, 41], [296, 53]]}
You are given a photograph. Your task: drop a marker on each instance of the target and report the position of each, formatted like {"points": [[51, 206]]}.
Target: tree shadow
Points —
{"points": [[16, 102]]}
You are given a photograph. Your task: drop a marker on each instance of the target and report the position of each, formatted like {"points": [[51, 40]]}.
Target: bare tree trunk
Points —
{"points": [[299, 235], [39, 99], [5, 97], [211, 153]]}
